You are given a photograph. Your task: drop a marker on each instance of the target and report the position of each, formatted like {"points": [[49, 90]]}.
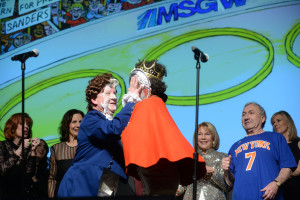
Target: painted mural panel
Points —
{"points": [[253, 49]]}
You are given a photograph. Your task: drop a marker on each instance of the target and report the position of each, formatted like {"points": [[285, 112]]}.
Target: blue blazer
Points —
{"points": [[99, 148]]}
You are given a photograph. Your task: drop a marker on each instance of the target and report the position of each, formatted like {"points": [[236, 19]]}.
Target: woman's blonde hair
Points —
{"points": [[211, 128], [292, 131]]}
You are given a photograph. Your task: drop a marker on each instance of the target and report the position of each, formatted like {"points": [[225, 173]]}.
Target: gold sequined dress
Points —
{"points": [[210, 187]]}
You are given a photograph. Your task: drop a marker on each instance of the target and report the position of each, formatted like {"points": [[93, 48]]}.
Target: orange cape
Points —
{"points": [[151, 135]]}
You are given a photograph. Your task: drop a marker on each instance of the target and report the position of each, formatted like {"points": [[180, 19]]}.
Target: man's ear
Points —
{"points": [[94, 101], [263, 119]]}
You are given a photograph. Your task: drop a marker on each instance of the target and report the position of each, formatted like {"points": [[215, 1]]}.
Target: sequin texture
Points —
{"points": [[210, 187]]}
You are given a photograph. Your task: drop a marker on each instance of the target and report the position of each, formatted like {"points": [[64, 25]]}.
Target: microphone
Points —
{"points": [[24, 56], [204, 57]]}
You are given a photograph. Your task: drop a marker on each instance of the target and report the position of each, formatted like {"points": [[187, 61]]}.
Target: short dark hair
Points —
{"points": [[43, 163]]}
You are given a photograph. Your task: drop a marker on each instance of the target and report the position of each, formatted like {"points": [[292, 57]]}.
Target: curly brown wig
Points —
{"points": [[96, 85]]}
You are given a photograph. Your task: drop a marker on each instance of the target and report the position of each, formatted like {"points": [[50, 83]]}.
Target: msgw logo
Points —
{"points": [[184, 9]]}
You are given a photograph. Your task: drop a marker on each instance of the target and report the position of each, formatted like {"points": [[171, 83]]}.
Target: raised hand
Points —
{"points": [[226, 162], [34, 143], [135, 86]]}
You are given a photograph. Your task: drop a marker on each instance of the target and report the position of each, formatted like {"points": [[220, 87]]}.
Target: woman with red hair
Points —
{"points": [[12, 161]]}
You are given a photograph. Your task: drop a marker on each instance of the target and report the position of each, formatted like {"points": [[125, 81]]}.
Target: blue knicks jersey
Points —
{"points": [[257, 161]]}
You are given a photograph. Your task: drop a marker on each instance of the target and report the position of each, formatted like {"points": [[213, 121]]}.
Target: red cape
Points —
{"points": [[151, 135]]}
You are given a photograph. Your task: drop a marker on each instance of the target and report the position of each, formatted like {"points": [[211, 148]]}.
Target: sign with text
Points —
{"points": [[28, 20], [26, 6], [6, 8]]}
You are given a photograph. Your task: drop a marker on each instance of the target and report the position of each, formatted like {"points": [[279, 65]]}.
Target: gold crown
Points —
{"points": [[150, 71]]}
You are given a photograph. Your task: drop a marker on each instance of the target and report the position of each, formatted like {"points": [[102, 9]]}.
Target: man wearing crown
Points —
{"points": [[155, 150]]}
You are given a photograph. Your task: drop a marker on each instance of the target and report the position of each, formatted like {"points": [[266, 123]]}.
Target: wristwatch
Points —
{"points": [[277, 183]]}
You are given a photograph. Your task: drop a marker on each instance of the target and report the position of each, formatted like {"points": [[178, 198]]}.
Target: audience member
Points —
{"points": [[38, 186], [213, 185], [155, 150], [99, 161], [260, 162], [283, 123], [63, 153], [14, 168]]}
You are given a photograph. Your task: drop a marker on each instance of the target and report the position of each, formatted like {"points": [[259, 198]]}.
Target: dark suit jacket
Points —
{"points": [[99, 148]]}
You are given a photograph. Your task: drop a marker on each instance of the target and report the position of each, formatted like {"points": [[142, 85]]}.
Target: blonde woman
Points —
{"points": [[212, 186]]}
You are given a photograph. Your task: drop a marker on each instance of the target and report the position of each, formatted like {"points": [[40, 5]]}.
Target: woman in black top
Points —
{"points": [[63, 153], [283, 123], [16, 168], [38, 184]]}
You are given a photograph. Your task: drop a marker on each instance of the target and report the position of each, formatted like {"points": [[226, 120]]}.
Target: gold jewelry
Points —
{"points": [[150, 71], [277, 183]]}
